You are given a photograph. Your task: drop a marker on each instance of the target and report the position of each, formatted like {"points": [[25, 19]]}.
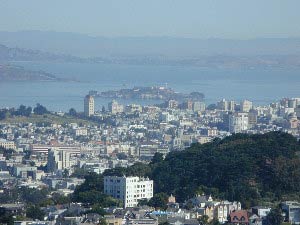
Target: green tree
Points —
{"points": [[203, 220], [164, 223], [97, 208], [35, 212], [72, 112], [60, 199], [91, 191], [240, 167], [214, 222], [23, 111], [65, 173], [275, 217], [6, 219], [102, 221], [159, 201], [40, 110], [157, 158], [142, 202], [33, 196]]}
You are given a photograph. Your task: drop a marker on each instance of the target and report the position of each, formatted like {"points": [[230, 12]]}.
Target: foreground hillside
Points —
{"points": [[248, 168], [241, 167]]}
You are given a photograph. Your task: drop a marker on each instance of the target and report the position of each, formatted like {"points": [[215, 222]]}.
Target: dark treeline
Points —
{"points": [[23, 111], [247, 168]]}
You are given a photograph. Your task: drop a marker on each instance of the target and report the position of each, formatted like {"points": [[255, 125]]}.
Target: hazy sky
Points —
{"points": [[185, 18]]}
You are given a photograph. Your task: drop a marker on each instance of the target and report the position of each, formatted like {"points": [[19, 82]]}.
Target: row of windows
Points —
{"points": [[140, 186], [138, 191], [111, 180]]}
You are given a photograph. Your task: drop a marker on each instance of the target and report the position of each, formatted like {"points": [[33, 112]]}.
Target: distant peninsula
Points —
{"points": [[18, 73]]}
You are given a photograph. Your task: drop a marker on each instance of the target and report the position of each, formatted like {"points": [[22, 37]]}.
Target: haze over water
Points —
{"points": [[262, 86]]}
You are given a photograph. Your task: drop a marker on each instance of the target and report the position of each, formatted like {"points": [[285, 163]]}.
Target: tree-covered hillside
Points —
{"points": [[248, 168], [241, 167]]}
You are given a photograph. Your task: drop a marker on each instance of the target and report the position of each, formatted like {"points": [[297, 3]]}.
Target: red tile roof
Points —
{"points": [[239, 216]]}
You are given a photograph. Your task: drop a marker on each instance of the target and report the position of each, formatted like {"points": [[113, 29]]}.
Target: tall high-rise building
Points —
{"points": [[89, 105], [199, 106], [59, 160], [128, 189], [226, 105], [231, 106], [246, 106], [223, 105], [238, 122], [172, 104], [292, 103], [252, 118]]}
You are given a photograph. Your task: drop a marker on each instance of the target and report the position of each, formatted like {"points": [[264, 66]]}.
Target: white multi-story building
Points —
{"points": [[199, 106], [128, 189], [238, 122], [59, 160], [292, 210], [89, 105], [231, 106], [223, 105], [7, 144], [44, 149], [246, 106], [226, 105], [224, 208], [114, 107], [81, 132]]}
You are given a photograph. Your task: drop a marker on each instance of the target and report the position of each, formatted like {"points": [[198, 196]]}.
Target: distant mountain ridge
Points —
{"points": [[87, 46], [208, 53]]}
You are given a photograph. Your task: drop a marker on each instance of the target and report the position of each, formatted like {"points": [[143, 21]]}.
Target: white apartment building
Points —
{"points": [[89, 105], [59, 160], [224, 208], [81, 132], [199, 106], [231, 106], [114, 107], [226, 105], [223, 105], [128, 189], [246, 106], [238, 122], [7, 144], [44, 149]]}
